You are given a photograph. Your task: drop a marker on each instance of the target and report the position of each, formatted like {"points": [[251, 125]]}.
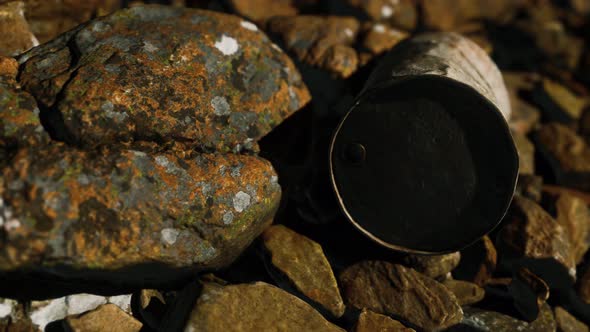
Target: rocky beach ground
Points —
{"points": [[162, 169]]}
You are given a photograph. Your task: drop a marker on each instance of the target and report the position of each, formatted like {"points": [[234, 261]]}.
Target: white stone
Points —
{"points": [[379, 28], [52, 311], [228, 217], [227, 45], [386, 11], [249, 25], [121, 301], [6, 308], [79, 303]]}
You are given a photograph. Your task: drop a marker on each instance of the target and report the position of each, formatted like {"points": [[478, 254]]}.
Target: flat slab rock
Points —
{"points": [[211, 80], [111, 213], [395, 290], [253, 307], [369, 321], [302, 260]]}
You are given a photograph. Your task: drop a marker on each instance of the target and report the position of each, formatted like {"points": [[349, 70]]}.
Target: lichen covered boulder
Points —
{"points": [[80, 214], [162, 74]]}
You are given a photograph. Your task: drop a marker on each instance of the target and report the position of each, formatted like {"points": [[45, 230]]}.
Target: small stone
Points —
{"points": [[530, 234], [369, 321], [401, 14], [530, 186], [395, 290], [568, 323], [321, 41], [8, 69], [526, 154], [303, 262], [14, 29], [567, 154], [478, 320], [573, 215], [478, 262], [467, 293], [253, 307], [261, 10], [433, 266], [107, 316], [379, 37], [192, 75], [558, 102]]}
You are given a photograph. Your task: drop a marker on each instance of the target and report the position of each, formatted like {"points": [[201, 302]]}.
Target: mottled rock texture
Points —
{"points": [[303, 262], [117, 208], [391, 289], [208, 79], [254, 307]]}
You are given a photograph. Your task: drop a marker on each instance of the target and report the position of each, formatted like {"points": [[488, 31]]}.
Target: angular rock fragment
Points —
{"points": [[42, 313], [450, 14], [401, 14], [573, 215], [433, 266], [150, 306], [532, 238], [526, 154], [567, 154], [320, 41], [467, 293], [211, 80], [14, 29], [369, 321], [378, 38], [478, 262], [303, 262], [109, 214], [391, 289], [253, 307], [530, 186], [557, 102], [477, 320], [568, 323], [261, 10], [105, 317]]}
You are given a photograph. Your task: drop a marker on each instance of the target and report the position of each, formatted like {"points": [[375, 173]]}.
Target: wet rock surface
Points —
{"points": [[245, 308], [391, 289], [104, 84], [303, 262]]}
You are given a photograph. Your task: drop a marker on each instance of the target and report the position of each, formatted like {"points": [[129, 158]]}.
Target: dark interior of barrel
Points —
{"points": [[440, 165]]}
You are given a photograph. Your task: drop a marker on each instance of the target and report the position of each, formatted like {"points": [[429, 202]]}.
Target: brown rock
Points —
{"points": [[253, 307], [530, 233], [556, 190], [526, 154], [561, 99], [379, 37], [261, 10], [219, 91], [14, 29], [467, 293], [433, 266], [303, 262], [450, 14], [573, 215], [567, 153], [322, 41], [369, 321], [402, 292], [401, 14], [478, 262], [478, 320], [568, 323], [530, 186], [107, 316]]}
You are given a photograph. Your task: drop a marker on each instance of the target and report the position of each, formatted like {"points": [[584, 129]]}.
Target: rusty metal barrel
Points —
{"points": [[424, 161]]}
